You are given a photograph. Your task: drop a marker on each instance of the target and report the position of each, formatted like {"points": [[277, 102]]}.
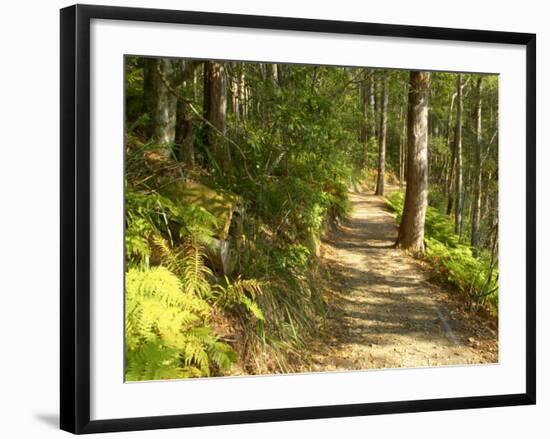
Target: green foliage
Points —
{"points": [[290, 301], [166, 331], [153, 361], [151, 216], [241, 292], [187, 262], [293, 149], [453, 260]]}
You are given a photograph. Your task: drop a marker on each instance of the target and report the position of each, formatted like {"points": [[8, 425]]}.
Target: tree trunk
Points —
{"points": [[476, 208], [451, 171], [458, 157], [403, 140], [215, 112], [411, 229], [273, 74], [383, 135], [487, 201], [401, 147], [242, 94], [377, 106], [466, 191], [184, 135], [161, 102], [363, 105], [365, 97], [195, 86], [234, 90], [372, 106]]}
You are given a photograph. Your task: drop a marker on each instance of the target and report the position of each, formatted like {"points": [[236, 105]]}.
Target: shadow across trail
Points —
{"points": [[383, 311]]}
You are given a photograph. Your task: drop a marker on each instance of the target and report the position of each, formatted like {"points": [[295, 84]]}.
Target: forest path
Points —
{"points": [[383, 311]]}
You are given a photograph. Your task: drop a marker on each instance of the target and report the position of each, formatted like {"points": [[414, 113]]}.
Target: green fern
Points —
{"points": [[243, 292], [166, 332], [187, 262], [151, 362], [151, 217]]}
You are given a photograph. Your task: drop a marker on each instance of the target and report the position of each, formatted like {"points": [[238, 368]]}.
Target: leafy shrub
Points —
{"points": [[453, 260]]}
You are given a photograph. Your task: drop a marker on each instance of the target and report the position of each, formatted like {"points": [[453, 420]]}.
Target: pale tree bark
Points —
{"points": [[372, 106], [377, 105], [215, 108], [411, 229], [476, 208], [170, 123], [161, 102], [263, 71], [458, 157], [195, 85], [234, 89], [383, 135], [466, 190]]}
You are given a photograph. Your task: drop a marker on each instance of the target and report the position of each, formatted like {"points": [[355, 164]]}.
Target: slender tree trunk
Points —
{"points": [[242, 93], [401, 147], [184, 125], [411, 229], [372, 106], [487, 201], [249, 102], [476, 208], [215, 112], [365, 97], [273, 74], [363, 104], [403, 140], [430, 137], [234, 90], [449, 187], [383, 135], [263, 71], [377, 106], [466, 201], [445, 175], [195, 86], [458, 157], [184, 135], [161, 102]]}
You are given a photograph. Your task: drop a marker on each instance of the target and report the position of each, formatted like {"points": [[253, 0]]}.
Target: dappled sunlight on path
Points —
{"points": [[383, 311]]}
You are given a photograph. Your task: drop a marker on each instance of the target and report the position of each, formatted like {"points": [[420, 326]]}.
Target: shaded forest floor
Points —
{"points": [[384, 312]]}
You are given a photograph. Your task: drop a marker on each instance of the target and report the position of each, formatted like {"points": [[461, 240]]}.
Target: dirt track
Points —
{"points": [[383, 310]]}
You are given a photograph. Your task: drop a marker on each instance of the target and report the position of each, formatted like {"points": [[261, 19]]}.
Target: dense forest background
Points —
{"points": [[234, 173]]}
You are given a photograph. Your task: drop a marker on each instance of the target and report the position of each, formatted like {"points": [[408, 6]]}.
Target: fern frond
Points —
{"points": [[166, 336], [243, 292], [151, 362], [195, 273]]}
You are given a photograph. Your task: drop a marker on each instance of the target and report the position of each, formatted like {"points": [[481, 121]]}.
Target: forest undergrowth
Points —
{"points": [[234, 173]]}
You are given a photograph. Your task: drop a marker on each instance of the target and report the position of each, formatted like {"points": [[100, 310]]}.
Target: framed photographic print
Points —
{"points": [[268, 218]]}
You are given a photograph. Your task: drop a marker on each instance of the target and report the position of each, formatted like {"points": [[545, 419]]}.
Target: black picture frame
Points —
{"points": [[75, 217]]}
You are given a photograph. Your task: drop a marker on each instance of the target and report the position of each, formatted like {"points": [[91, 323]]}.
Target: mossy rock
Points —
{"points": [[221, 204]]}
